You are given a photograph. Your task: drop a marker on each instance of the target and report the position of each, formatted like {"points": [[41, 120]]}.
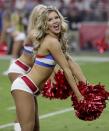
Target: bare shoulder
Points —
{"points": [[51, 42]]}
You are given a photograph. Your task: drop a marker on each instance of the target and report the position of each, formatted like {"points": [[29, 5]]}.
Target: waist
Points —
{"points": [[27, 59], [39, 74]]}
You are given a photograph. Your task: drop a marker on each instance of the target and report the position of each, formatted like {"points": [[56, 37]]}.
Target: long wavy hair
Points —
{"points": [[41, 26], [34, 16]]}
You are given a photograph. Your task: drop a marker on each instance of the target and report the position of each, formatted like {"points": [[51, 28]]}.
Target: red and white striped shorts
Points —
{"points": [[24, 83]]}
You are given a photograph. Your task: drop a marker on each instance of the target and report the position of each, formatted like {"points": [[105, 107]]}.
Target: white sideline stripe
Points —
{"points": [[92, 59], [55, 113], [6, 125], [42, 117], [78, 58], [11, 108]]}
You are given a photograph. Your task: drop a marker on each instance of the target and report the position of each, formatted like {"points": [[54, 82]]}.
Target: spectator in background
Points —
{"points": [[97, 11], [17, 32], [20, 4], [103, 44], [74, 18], [0, 21], [6, 24], [63, 8]]}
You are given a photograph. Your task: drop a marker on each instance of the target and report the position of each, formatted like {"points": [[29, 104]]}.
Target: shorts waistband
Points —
{"points": [[30, 84], [28, 49], [22, 65]]}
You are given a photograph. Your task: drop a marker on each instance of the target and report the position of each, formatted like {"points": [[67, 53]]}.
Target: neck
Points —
{"points": [[54, 35]]}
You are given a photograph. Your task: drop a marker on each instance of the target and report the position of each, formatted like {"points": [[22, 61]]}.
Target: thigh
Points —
{"points": [[13, 76], [25, 106], [37, 126]]}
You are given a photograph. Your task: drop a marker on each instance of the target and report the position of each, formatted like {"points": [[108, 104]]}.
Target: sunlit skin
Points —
{"points": [[54, 28], [54, 23]]}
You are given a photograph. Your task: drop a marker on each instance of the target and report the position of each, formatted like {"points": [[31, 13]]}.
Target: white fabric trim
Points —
{"points": [[17, 127], [19, 84], [29, 48], [14, 68]]}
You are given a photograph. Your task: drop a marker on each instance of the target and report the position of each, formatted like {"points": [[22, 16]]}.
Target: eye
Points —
{"points": [[56, 17], [49, 19]]}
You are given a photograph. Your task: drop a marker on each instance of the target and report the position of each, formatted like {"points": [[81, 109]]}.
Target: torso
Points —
{"points": [[45, 60], [27, 59], [40, 73]]}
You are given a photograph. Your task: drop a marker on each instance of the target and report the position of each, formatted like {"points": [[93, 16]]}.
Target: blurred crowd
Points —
{"points": [[14, 15]]}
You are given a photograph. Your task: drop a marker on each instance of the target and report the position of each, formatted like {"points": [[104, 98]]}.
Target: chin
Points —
{"points": [[57, 32]]}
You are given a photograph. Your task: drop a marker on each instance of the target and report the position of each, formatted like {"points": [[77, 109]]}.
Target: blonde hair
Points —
{"points": [[42, 27], [34, 16]]}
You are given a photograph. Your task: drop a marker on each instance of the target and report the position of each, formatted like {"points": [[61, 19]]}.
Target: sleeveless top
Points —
{"points": [[45, 60]]}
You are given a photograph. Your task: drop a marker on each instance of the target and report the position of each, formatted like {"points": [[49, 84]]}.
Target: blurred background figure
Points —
{"points": [[103, 43], [14, 30]]}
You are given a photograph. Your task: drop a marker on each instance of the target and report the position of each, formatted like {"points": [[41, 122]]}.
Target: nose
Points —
{"points": [[55, 21]]}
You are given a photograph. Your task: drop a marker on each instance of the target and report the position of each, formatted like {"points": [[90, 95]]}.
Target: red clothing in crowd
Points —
{"points": [[102, 45]]}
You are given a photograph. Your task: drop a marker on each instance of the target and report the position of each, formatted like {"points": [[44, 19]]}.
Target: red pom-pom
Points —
{"points": [[58, 90], [95, 101], [47, 90]]}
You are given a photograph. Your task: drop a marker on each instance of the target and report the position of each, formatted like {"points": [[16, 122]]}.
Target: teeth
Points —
{"points": [[56, 26]]}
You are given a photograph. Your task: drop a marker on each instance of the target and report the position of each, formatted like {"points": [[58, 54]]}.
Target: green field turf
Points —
{"points": [[95, 72]]}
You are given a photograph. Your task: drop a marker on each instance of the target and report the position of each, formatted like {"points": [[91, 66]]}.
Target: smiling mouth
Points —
{"points": [[56, 27]]}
